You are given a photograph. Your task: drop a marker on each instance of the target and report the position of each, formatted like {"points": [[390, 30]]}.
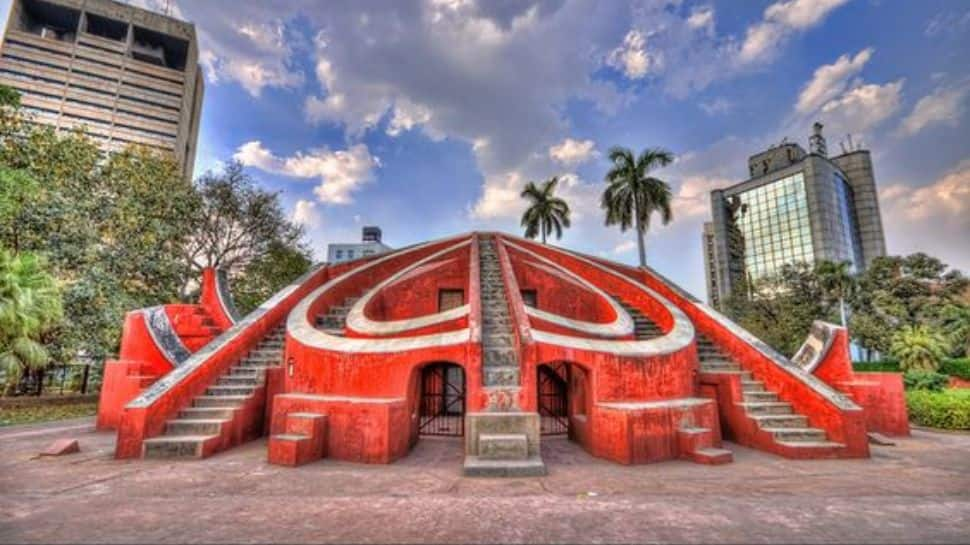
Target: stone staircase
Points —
{"points": [[771, 415], [216, 420], [503, 441], [643, 328], [335, 320], [500, 363]]}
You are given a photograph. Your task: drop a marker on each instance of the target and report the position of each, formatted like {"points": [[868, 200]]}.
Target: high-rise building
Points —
{"points": [[796, 206], [370, 244], [129, 76]]}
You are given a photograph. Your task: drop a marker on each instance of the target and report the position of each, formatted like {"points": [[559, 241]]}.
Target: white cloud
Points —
{"points": [[305, 213], [717, 106], [500, 197], [946, 199], [702, 18], [407, 115], [624, 247], [573, 152], [763, 40], [830, 80], [340, 172], [862, 108], [944, 106], [633, 58], [693, 197]]}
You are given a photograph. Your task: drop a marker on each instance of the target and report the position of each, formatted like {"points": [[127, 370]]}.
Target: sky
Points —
{"points": [[427, 117]]}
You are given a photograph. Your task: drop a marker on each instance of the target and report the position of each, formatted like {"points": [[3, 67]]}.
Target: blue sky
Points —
{"points": [[427, 117]]}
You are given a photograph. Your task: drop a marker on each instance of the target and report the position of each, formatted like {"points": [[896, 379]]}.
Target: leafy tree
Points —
{"points": [[918, 348], [837, 282], [780, 309], [632, 195], [238, 223], [954, 321], [546, 211], [29, 306], [264, 277]]}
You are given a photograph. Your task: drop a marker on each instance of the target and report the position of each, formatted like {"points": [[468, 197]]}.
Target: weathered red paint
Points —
{"points": [[630, 409]]}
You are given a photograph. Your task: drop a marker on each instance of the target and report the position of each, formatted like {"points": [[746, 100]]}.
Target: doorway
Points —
{"points": [[442, 409]]}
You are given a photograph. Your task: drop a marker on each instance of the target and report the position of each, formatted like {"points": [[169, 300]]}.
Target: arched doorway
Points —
{"points": [[553, 403], [442, 406]]}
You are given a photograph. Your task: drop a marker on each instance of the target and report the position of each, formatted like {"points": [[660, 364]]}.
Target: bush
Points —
{"points": [[958, 367], [925, 380], [949, 409], [918, 348], [880, 366]]}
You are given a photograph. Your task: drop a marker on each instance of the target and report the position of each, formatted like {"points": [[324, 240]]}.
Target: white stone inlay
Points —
{"points": [[358, 321], [621, 326], [298, 324]]}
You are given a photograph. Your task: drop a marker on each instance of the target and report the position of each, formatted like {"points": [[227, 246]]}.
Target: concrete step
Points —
{"points": [[760, 396], [811, 444], [239, 380], [797, 435], [712, 456], [498, 340], [193, 426], [768, 407], [219, 401], [246, 371], [503, 446], [269, 353], [179, 446], [499, 357], [752, 386], [501, 376], [476, 466], [207, 413], [219, 390], [776, 421]]}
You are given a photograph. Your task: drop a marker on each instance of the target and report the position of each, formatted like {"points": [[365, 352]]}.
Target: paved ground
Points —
{"points": [[917, 491]]}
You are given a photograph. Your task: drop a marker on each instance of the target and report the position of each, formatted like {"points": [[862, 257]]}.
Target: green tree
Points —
{"points": [[780, 309], [546, 212], [30, 305], [918, 348], [632, 195], [837, 282], [264, 277]]}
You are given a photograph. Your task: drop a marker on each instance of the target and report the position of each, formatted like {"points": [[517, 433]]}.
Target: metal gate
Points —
{"points": [[442, 410], [553, 387]]}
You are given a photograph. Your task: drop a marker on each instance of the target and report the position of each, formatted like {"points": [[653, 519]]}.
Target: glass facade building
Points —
{"points": [[797, 206], [775, 226]]}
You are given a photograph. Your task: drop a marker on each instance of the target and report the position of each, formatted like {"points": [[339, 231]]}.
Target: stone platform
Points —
{"points": [[916, 491]]}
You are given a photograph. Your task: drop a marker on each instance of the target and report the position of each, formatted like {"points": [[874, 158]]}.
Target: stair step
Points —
{"points": [[760, 396], [219, 401], [239, 380], [177, 446], [207, 413], [503, 446], [776, 421], [219, 390], [767, 407], [752, 386], [246, 371], [186, 426], [811, 444], [712, 456], [797, 435]]}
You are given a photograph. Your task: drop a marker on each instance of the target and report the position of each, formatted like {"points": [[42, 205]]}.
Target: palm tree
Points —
{"points": [[918, 348], [837, 282], [546, 212], [633, 196], [29, 306]]}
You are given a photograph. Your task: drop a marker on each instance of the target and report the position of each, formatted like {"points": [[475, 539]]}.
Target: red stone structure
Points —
{"points": [[502, 341]]}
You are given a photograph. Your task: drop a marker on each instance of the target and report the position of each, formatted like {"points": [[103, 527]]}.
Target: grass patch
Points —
{"points": [[884, 366], [949, 409], [46, 413]]}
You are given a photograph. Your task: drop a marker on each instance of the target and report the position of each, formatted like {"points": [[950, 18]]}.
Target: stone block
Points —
{"points": [[61, 447], [494, 446]]}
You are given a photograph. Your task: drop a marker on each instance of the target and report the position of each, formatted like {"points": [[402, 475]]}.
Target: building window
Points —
{"points": [[529, 298], [775, 226], [449, 299], [340, 254]]}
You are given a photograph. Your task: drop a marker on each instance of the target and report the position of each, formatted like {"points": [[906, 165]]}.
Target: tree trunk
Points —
{"points": [[641, 249], [543, 237]]}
